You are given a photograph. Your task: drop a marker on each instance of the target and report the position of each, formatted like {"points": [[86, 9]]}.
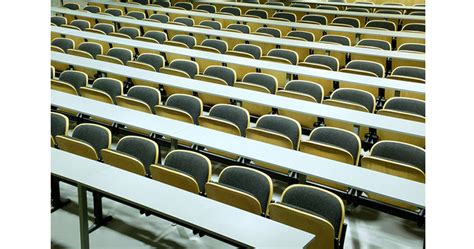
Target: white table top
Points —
{"points": [[375, 6], [211, 216], [262, 64], [249, 37], [363, 179], [412, 128], [295, 25]]}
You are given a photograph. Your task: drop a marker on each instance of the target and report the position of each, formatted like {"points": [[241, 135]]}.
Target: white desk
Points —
{"points": [[291, 69], [249, 37], [308, 165], [411, 128], [209, 216]]}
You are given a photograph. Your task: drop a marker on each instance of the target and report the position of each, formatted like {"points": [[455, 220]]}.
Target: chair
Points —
{"points": [[77, 79], [212, 24], [81, 24], [305, 35], [187, 40], [88, 50], [62, 45], [366, 68], [114, 12], [414, 27], [381, 24], [180, 68], [72, 6], [136, 15], [87, 140], [187, 170], [346, 22], [219, 45], [315, 19], [300, 5], [251, 1], [130, 32], [302, 90], [240, 27], [159, 36], [274, 32], [59, 126], [405, 108], [134, 154], [160, 18], [285, 56], [253, 50], [260, 82], [286, 16], [391, 12], [250, 51], [374, 44], [207, 7], [59, 20], [336, 39], [218, 75], [93, 9], [257, 13], [407, 73], [182, 107], [324, 62], [184, 5], [398, 159], [313, 210], [162, 3], [352, 99], [107, 28], [117, 56], [154, 61], [184, 20], [413, 72], [417, 13], [412, 47], [353, 9], [231, 10], [103, 90], [326, 7], [275, 3], [142, 2], [140, 98], [244, 188]]}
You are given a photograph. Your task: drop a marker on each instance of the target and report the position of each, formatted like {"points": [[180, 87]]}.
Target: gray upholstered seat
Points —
{"points": [[207, 7], [137, 15], [306, 87], [325, 7], [143, 93], [271, 31], [143, 2], [184, 20], [275, 3], [338, 138], [329, 61], [81, 24], [364, 3], [336, 39], [75, 78], [283, 125], [225, 73], [58, 20], [375, 43], [59, 124], [315, 18], [122, 54], [354, 22], [92, 48], [240, 27], [187, 103], [132, 32], [413, 47], [164, 3], [300, 5], [417, 13], [235, 114], [262, 79], [96, 136], [64, 43], [251, 1], [415, 72], [114, 12], [400, 152], [212, 24], [392, 12], [381, 24], [159, 36], [290, 55], [367, 66], [160, 17], [187, 66], [144, 150], [108, 85], [248, 181], [256, 12], [285, 15], [408, 105], [254, 50], [356, 97], [185, 39], [302, 34], [184, 5], [231, 10], [190, 163], [105, 27], [153, 60], [420, 27], [71, 6], [363, 10], [217, 44]]}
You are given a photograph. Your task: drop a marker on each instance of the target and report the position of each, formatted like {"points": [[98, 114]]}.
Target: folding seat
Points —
{"points": [[140, 98], [59, 126], [374, 44], [136, 15], [397, 159], [87, 140], [134, 154], [106, 28], [103, 90], [417, 13], [247, 51], [229, 119], [405, 108], [251, 1], [274, 32], [301, 35], [180, 68], [277, 130], [72, 6], [253, 50], [64, 87], [58, 20], [127, 32], [409, 47], [414, 27], [412, 72], [76, 79], [302, 90], [260, 82], [142, 2], [207, 7], [88, 50], [185, 41], [257, 13], [211, 24], [244, 188], [313, 210], [117, 56], [81, 24], [412, 47], [184, 20], [324, 62], [160, 18], [287, 16], [240, 27], [285, 56], [314, 19], [275, 3], [182, 107], [93, 9], [419, 5], [147, 61], [366, 68], [300, 5], [231, 10], [354, 9], [187, 170], [184, 5], [346, 22], [326, 7], [336, 40], [218, 75], [62, 45], [391, 12], [155, 36], [114, 12], [407, 73], [218, 46]]}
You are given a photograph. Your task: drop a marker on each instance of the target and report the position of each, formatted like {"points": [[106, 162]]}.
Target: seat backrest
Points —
{"points": [[307, 87], [207, 7], [355, 96], [123, 54], [226, 73], [213, 24], [254, 50], [340, 138], [114, 12], [409, 105], [190, 104], [130, 31], [160, 17], [262, 79], [151, 96], [77, 79], [92, 48], [190, 67], [354, 22], [331, 62], [112, 87], [326, 7], [71, 6], [137, 15], [286, 15], [184, 20], [400, 152], [240, 27], [81, 24], [59, 124], [290, 55], [251, 1], [417, 13], [419, 27], [145, 150], [275, 3], [302, 34], [154, 60], [59, 20], [381, 24], [232, 10], [271, 31], [107, 28], [235, 114], [375, 43], [415, 72], [282, 125], [159, 36], [256, 12], [95, 135], [300, 5], [143, 2], [93, 9], [392, 12], [188, 40], [184, 5], [63, 43], [217, 44], [412, 47], [368, 66], [343, 40], [163, 3], [363, 10], [315, 18]]}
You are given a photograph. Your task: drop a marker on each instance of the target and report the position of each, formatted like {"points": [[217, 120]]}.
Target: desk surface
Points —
{"points": [[211, 216], [375, 6], [356, 177], [267, 22], [262, 64], [411, 128], [248, 37]]}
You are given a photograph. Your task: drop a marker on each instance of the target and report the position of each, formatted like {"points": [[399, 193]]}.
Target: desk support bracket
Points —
{"points": [[99, 219]]}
